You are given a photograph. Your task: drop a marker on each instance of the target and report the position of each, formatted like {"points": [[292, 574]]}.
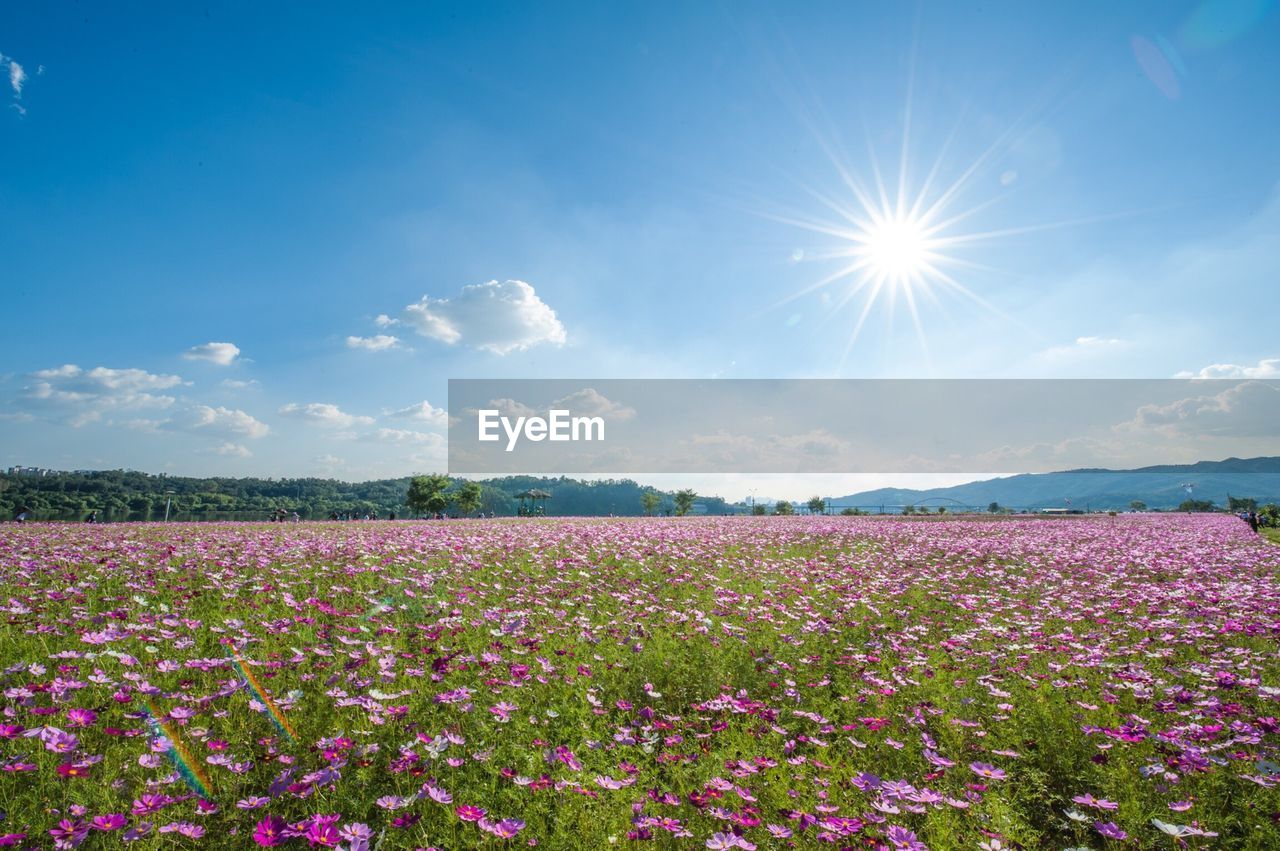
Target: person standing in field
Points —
{"points": [[1252, 520]]}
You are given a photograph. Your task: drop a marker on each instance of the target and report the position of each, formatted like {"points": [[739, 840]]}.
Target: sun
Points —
{"points": [[896, 250], [896, 245]]}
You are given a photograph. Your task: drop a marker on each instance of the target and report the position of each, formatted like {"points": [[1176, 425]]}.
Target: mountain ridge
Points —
{"points": [[1093, 488]]}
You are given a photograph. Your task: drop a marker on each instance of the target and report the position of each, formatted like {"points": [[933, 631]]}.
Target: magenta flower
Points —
{"points": [[270, 831], [322, 831], [904, 839], [504, 829], [983, 769], [111, 821], [466, 812], [437, 794], [1110, 830], [68, 833], [61, 742], [1097, 803], [81, 717]]}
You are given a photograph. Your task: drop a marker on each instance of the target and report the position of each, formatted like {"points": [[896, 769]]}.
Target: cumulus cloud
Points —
{"points": [[1249, 409], [376, 343], [499, 317], [406, 436], [221, 421], [237, 384], [223, 354], [813, 451], [233, 450], [589, 402], [423, 412], [324, 414], [86, 395], [509, 408], [1266, 368]]}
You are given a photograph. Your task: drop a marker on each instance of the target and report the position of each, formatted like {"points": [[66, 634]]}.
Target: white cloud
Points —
{"points": [[222, 421], [328, 461], [17, 75], [382, 320], [506, 408], [17, 78], [237, 384], [1266, 368], [405, 436], [235, 450], [1248, 409], [1086, 346], [423, 412], [223, 354], [590, 402], [324, 414], [499, 317], [376, 343], [84, 396]]}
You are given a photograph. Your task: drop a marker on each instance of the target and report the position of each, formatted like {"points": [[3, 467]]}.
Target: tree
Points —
{"points": [[427, 493], [851, 512], [817, 505], [649, 501], [783, 508], [469, 497], [1236, 504], [1196, 505], [684, 501], [758, 509], [1137, 505], [908, 509], [993, 508]]}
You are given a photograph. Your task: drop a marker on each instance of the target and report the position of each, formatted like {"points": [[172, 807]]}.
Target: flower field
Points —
{"points": [[689, 683]]}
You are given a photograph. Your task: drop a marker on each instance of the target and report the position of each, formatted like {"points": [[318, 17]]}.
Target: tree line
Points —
{"points": [[129, 495]]}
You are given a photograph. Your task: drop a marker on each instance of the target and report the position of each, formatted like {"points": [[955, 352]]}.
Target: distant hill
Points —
{"points": [[1096, 489]]}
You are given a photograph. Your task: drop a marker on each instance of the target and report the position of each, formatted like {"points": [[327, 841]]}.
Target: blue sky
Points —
{"points": [[600, 190]]}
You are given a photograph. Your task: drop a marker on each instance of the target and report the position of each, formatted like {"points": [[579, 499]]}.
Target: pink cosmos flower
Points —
{"points": [[270, 831], [69, 833], [466, 812], [81, 717], [1110, 830], [111, 821], [322, 831], [983, 769], [1098, 803]]}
